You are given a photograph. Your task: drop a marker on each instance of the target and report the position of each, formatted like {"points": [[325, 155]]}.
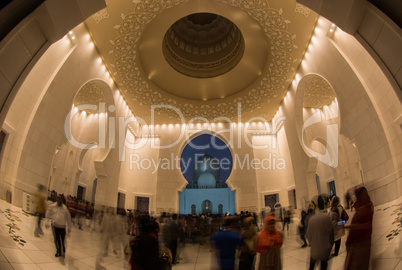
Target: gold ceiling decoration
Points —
{"points": [[287, 29], [302, 9], [91, 94], [203, 45], [318, 93], [101, 15]]}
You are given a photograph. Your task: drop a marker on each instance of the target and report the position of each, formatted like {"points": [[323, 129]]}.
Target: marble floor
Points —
{"points": [[19, 249]]}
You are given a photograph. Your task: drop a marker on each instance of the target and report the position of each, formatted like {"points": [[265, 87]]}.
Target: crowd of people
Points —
{"points": [[152, 242]]}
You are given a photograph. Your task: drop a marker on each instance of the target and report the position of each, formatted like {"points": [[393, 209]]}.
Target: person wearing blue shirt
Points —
{"points": [[226, 242]]}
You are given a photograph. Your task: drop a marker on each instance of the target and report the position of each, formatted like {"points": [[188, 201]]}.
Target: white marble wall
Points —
{"points": [[31, 169], [353, 74], [275, 175]]}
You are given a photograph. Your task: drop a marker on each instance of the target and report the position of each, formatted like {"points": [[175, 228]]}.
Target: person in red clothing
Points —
{"points": [[358, 243], [269, 242]]}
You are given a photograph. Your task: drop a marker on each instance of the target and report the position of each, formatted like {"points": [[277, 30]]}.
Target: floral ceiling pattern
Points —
{"points": [[318, 93], [262, 98], [90, 93]]}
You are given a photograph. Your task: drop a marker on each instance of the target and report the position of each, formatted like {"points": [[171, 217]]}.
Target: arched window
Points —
{"points": [[193, 209]]}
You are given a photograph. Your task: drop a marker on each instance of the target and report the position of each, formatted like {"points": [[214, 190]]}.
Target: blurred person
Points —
{"points": [[164, 234], [96, 220], [269, 242], [226, 243], [347, 199], [278, 212], [310, 213], [286, 218], [312, 206], [120, 240], [80, 212], [303, 228], [145, 247], [107, 230], [174, 234], [60, 218], [320, 235], [247, 250], [40, 208], [358, 243], [337, 214], [190, 228]]}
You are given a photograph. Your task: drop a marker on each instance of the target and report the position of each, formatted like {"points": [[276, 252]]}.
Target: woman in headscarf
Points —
{"points": [[269, 242], [358, 243]]}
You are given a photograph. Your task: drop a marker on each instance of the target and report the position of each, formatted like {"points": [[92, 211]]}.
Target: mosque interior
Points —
{"points": [[98, 99]]}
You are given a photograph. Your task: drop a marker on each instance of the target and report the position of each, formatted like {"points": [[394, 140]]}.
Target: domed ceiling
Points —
{"points": [[206, 58]]}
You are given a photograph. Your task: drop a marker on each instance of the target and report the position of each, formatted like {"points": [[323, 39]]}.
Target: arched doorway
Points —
{"points": [[206, 163], [206, 207], [220, 209]]}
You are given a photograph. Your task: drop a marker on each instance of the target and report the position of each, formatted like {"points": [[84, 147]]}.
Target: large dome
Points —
{"points": [[203, 45], [206, 180], [206, 164]]}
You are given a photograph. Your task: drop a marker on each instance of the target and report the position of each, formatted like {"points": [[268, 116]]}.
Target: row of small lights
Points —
{"points": [[277, 114], [325, 107], [330, 33], [199, 124], [101, 62], [278, 127], [122, 99], [103, 67]]}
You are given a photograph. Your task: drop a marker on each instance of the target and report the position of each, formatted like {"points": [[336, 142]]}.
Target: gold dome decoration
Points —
{"points": [[135, 86], [203, 45], [91, 94], [275, 37], [318, 93]]}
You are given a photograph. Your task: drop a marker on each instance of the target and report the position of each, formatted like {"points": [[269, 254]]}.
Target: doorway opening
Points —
{"points": [[94, 184], [121, 200], [206, 207], [81, 193], [292, 198], [331, 188]]}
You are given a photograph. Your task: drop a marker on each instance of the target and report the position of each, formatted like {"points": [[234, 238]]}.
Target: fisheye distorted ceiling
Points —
{"points": [[130, 37]]}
